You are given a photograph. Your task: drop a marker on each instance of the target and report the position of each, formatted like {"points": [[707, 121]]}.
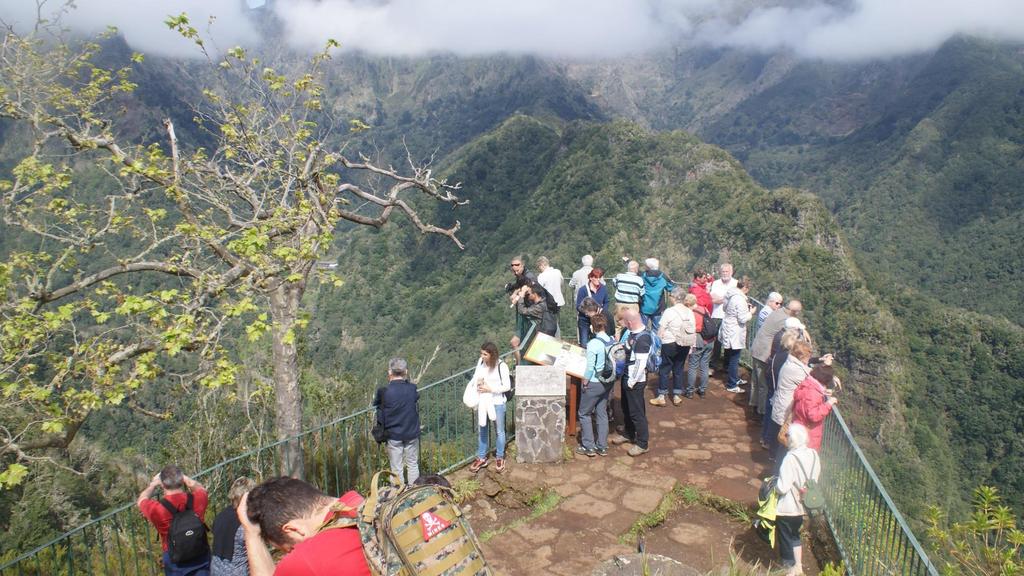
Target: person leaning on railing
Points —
{"points": [[812, 401], [792, 374], [776, 361]]}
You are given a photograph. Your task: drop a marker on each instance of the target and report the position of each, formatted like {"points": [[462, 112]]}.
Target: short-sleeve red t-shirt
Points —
{"points": [[160, 517], [334, 552]]}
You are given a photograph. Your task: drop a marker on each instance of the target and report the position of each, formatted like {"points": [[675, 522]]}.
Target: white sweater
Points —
{"points": [[498, 381], [792, 479]]}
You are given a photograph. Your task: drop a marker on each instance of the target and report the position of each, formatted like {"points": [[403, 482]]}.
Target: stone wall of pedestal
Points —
{"points": [[540, 413], [540, 428]]}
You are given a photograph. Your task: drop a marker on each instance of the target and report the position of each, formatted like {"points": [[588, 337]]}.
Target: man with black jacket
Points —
{"points": [[531, 303], [514, 288], [398, 412]]}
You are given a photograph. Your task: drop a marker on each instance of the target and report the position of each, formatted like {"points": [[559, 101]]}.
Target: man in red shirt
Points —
{"points": [[174, 483], [288, 514]]}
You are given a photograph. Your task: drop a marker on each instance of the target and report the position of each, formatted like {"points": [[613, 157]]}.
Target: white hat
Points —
{"points": [[792, 322]]}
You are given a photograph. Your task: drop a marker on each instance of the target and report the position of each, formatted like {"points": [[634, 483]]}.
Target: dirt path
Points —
{"points": [[709, 444]]}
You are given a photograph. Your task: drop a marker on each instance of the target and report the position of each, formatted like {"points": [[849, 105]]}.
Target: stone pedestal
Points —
{"points": [[540, 413]]}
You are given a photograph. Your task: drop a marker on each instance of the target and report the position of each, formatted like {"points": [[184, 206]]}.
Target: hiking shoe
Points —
{"points": [[585, 452], [734, 389], [741, 382], [619, 439], [677, 400], [499, 464], [478, 464], [636, 451], [701, 394], [601, 451], [658, 400]]}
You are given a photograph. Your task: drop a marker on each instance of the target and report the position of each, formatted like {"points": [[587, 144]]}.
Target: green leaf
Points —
{"points": [[53, 426], [13, 476]]}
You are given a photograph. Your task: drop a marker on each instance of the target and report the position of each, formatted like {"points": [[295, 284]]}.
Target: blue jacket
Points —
{"points": [[595, 356], [601, 296], [398, 410], [654, 284]]}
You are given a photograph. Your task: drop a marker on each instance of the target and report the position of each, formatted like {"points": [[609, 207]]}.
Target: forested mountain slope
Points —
{"points": [[539, 187], [920, 157]]}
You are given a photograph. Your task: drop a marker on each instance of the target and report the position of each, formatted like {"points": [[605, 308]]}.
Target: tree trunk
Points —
{"points": [[284, 309]]}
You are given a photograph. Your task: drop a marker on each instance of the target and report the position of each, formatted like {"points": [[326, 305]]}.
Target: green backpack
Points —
{"points": [[811, 496], [413, 531]]}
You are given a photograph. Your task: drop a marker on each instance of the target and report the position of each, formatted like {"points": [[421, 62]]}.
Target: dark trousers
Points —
{"points": [[716, 355], [583, 329], [673, 357], [634, 412], [200, 567], [776, 450], [788, 533], [767, 419]]}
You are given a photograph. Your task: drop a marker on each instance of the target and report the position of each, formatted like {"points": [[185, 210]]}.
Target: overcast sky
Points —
{"points": [[863, 29]]}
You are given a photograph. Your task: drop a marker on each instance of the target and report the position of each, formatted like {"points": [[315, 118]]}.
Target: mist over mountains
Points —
{"points": [[578, 29]]}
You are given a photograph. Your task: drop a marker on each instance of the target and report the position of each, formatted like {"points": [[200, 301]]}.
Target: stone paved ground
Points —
{"points": [[706, 443]]}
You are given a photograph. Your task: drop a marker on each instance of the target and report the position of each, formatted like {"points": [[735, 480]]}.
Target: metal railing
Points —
{"points": [[872, 536], [338, 456]]}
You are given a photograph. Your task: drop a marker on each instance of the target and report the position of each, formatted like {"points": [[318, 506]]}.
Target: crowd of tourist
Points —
{"points": [[791, 390], [639, 313]]}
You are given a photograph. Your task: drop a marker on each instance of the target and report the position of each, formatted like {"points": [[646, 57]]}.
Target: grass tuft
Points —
{"points": [[689, 496], [541, 503], [465, 489]]}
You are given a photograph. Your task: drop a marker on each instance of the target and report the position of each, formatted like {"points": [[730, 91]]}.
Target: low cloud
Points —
{"points": [[142, 22], [824, 29], [869, 28]]}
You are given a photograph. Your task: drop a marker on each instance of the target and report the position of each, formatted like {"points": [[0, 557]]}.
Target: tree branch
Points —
{"points": [[172, 269]]}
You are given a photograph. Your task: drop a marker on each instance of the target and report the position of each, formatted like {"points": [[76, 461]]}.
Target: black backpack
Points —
{"points": [[709, 331], [549, 299], [186, 538]]}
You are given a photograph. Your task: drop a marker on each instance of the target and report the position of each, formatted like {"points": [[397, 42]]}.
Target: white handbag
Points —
{"points": [[471, 397]]}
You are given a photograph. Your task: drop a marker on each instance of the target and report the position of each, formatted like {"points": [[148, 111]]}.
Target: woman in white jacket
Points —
{"points": [[733, 333], [492, 381], [677, 332]]}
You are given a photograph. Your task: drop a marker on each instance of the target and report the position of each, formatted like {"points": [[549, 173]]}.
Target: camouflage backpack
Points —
{"points": [[414, 531]]}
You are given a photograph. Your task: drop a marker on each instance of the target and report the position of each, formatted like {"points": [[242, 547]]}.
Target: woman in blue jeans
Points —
{"points": [[593, 409], [677, 333], [492, 381], [700, 357]]}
